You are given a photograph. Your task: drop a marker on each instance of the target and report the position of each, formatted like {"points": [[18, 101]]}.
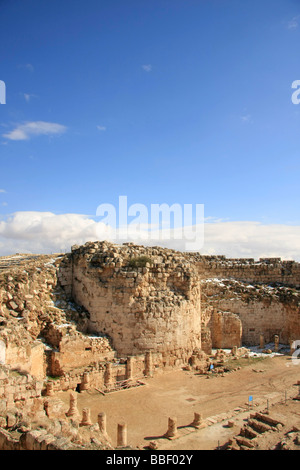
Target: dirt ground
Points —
{"points": [[180, 393]]}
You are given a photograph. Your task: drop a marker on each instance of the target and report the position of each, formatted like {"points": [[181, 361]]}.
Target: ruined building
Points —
{"points": [[107, 313]]}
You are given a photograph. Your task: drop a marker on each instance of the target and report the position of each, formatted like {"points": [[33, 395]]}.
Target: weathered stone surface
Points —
{"points": [[140, 308], [104, 315]]}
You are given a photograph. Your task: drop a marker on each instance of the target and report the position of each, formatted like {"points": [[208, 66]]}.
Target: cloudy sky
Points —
{"points": [[162, 101]]}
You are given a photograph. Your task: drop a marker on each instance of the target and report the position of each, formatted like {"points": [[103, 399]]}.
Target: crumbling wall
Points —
{"points": [[27, 359], [38, 320], [18, 390], [260, 309], [265, 317], [151, 307], [31, 421], [264, 271], [98, 375], [226, 330], [64, 273], [75, 350], [63, 314]]}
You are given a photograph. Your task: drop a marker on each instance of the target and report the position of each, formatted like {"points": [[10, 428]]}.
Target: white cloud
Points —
{"points": [[101, 128], [27, 66], [246, 118], [252, 240], [34, 128], [28, 96], [45, 232], [294, 22], [147, 67], [2, 191], [42, 232]]}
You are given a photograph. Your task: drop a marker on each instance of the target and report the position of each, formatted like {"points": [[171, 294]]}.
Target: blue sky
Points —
{"points": [[164, 101]]}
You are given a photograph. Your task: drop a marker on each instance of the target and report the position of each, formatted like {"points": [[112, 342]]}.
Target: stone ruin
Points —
{"points": [[105, 316]]}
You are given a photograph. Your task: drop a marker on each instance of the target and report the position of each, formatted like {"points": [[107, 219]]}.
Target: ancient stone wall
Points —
{"points": [[109, 375], [76, 351], [226, 330], [68, 315], [64, 273], [18, 390], [28, 359], [112, 291], [30, 419], [154, 306], [267, 318], [260, 310], [42, 330], [265, 270], [104, 316]]}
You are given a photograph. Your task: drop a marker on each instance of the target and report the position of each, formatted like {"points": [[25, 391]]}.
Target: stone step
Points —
{"points": [[268, 419], [248, 432], [259, 426], [243, 441]]}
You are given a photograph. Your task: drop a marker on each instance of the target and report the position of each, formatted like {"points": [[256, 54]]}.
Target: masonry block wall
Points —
{"points": [[261, 309], [265, 270], [157, 307], [153, 307], [226, 330]]}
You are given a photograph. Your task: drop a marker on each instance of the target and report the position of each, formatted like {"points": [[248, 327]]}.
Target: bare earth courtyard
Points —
{"points": [[180, 393]]}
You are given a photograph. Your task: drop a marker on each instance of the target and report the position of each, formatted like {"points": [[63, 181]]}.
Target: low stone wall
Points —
{"points": [[17, 389], [34, 440], [108, 375], [264, 271], [42, 440], [76, 350]]}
